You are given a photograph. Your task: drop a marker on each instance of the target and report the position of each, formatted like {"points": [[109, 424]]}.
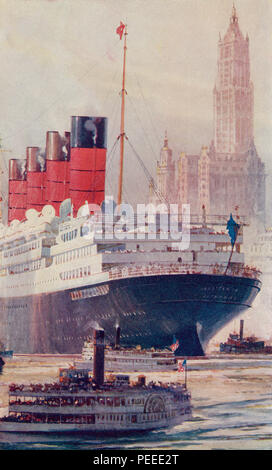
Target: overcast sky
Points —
{"points": [[63, 57]]}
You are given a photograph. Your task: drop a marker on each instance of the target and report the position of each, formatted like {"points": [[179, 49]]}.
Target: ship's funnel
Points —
{"points": [[17, 189], [57, 169], [17, 168], [53, 146], [98, 357], [89, 132], [32, 162], [241, 329], [88, 160], [117, 337], [36, 177]]}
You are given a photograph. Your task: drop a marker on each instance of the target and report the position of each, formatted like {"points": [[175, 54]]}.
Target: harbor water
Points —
{"points": [[231, 398]]}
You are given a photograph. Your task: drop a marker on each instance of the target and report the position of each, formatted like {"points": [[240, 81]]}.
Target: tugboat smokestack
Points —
{"points": [[98, 361], [117, 337], [241, 330]]}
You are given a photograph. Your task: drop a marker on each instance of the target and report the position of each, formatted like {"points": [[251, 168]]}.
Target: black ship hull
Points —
{"points": [[149, 310]]}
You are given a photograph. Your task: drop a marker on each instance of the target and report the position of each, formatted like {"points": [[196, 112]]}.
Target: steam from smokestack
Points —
{"points": [[22, 167], [93, 325], [65, 146], [41, 160]]}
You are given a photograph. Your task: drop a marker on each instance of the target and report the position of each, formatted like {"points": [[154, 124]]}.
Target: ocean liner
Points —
{"points": [[63, 272], [57, 283]]}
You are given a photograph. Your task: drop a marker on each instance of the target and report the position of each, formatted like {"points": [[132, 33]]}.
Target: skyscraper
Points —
{"points": [[229, 173], [236, 173], [233, 92]]}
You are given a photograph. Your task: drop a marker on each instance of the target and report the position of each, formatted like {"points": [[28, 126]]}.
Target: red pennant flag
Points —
{"points": [[174, 346], [120, 29]]}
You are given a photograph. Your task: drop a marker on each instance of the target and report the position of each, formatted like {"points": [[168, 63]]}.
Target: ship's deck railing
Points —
{"points": [[56, 390], [129, 352], [156, 269]]}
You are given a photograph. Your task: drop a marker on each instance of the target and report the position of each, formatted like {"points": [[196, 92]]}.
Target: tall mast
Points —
{"points": [[122, 126]]}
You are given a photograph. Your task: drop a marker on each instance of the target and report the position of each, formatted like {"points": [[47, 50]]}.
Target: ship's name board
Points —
{"points": [[90, 292]]}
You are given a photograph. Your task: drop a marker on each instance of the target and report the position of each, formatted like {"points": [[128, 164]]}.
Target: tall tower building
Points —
{"points": [[233, 92], [236, 173], [229, 174]]}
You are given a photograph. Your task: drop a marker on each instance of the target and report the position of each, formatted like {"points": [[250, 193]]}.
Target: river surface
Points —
{"points": [[231, 398]]}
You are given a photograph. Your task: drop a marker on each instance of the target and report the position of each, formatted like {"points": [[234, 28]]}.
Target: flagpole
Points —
{"points": [[122, 126], [233, 241], [232, 249]]}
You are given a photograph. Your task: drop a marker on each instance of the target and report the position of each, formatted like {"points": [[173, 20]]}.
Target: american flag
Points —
{"points": [[181, 365], [174, 346]]}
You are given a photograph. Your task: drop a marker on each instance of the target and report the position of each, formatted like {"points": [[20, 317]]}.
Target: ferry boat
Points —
{"points": [[119, 359], [62, 271], [79, 403]]}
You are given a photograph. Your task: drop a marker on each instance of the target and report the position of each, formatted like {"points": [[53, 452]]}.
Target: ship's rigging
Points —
{"points": [[122, 31]]}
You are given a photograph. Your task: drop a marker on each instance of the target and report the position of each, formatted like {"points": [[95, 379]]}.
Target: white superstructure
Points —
{"points": [[45, 254], [129, 359]]}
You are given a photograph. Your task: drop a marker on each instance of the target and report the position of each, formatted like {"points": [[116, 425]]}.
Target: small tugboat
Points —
{"points": [[121, 359], [237, 344], [81, 403]]}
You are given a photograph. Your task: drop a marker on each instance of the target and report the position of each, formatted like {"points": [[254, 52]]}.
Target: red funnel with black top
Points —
{"points": [[88, 160], [17, 189], [57, 169], [36, 178]]}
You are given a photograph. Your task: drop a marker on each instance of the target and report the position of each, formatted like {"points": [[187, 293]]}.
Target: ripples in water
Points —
{"points": [[232, 409]]}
